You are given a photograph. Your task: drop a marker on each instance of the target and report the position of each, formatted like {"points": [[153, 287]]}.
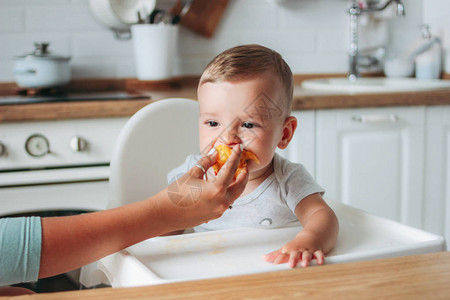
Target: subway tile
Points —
{"points": [[125, 67], [12, 19], [332, 41], [312, 35], [93, 68], [282, 40], [446, 64], [435, 14], [6, 73], [191, 65], [100, 44], [313, 15], [191, 44], [403, 42], [318, 63], [248, 15], [60, 19]]}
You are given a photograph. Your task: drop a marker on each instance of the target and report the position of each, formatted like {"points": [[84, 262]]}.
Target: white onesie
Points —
{"points": [[270, 205]]}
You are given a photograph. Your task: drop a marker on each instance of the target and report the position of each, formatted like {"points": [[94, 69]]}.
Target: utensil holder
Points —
{"points": [[155, 50]]}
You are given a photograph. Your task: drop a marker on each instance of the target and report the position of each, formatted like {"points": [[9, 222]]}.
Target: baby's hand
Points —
{"points": [[300, 249]]}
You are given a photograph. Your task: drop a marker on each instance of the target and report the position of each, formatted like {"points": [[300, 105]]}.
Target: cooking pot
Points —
{"points": [[41, 69]]}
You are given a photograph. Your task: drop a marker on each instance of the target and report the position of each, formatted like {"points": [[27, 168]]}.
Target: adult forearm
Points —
{"points": [[71, 242]]}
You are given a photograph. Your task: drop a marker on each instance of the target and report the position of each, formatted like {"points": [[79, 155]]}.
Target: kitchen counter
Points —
{"points": [[303, 100], [307, 99], [424, 276], [87, 109]]}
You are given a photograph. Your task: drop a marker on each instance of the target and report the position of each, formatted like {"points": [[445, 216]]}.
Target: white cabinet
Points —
{"points": [[302, 147], [373, 159], [437, 172], [393, 162]]}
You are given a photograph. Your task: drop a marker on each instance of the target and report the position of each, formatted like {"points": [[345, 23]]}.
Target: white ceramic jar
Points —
{"points": [[429, 58], [41, 69]]}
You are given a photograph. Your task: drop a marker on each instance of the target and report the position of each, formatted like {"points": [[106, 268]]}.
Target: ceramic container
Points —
{"points": [[399, 67]]}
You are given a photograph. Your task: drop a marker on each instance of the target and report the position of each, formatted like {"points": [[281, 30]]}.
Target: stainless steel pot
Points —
{"points": [[41, 69]]}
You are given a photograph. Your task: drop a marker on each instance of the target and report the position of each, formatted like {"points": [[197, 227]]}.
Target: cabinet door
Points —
{"points": [[373, 159], [437, 173], [302, 147]]}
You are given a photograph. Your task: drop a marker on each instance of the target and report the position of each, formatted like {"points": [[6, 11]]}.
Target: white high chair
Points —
{"points": [[155, 140], [158, 138]]}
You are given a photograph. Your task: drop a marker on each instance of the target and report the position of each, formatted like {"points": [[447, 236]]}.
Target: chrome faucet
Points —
{"points": [[354, 11]]}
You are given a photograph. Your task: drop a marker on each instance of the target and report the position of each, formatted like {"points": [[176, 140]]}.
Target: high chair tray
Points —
{"points": [[203, 255]]}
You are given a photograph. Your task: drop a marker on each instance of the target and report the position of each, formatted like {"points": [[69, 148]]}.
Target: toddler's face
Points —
{"points": [[248, 112]]}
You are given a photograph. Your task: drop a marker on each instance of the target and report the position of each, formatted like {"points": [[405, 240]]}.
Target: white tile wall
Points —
{"points": [[312, 35], [436, 13]]}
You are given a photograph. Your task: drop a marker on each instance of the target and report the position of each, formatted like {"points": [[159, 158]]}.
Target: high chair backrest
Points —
{"points": [[155, 140]]}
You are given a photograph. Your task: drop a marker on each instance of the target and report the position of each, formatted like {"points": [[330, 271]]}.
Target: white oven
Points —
{"points": [[56, 165]]}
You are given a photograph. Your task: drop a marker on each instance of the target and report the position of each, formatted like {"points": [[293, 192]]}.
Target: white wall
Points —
{"points": [[312, 35], [436, 13]]}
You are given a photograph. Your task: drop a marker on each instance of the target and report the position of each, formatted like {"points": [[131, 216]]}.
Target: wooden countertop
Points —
{"points": [[425, 276], [303, 100]]}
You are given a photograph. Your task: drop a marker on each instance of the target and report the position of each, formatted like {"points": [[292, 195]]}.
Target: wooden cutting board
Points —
{"points": [[203, 16]]}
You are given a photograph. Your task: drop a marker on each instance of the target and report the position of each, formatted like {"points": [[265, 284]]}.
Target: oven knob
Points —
{"points": [[2, 149], [37, 145], [78, 144]]}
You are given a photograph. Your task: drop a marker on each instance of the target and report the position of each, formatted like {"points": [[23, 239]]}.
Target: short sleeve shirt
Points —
{"points": [[270, 205], [20, 249]]}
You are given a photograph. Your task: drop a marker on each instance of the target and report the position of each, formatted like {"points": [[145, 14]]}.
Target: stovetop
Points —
{"points": [[17, 99]]}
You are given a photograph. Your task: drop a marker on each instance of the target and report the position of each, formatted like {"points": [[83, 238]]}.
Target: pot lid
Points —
{"points": [[41, 52]]}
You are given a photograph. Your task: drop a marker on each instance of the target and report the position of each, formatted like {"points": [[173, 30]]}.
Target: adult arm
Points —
{"points": [[20, 249], [74, 241]]}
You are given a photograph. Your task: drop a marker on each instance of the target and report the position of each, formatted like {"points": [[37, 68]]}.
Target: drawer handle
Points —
{"points": [[376, 118]]}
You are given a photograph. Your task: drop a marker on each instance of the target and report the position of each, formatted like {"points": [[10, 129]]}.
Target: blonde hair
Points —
{"points": [[247, 62]]}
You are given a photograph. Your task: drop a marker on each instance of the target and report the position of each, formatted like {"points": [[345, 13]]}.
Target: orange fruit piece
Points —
{"points": [[224, 152]]}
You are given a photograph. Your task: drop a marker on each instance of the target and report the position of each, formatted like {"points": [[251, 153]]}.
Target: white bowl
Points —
{"points": [[399, 67]]}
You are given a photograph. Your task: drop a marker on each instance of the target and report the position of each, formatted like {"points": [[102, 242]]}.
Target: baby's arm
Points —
{"points": [[318, 237]]}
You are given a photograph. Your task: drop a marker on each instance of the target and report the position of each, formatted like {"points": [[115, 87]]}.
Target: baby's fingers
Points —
{"points": [[320, 257], [276, 257], [271, 257], [294, 258], [306, 258]]}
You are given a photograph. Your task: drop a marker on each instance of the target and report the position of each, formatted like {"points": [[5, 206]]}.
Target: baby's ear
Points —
{"points": [[288, 132]]}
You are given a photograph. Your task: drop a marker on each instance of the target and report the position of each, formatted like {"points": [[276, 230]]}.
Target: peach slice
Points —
{"points": [[223, 152]]}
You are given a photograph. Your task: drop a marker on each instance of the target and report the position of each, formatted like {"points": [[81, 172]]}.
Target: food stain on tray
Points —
{"points": [[212, 244]]}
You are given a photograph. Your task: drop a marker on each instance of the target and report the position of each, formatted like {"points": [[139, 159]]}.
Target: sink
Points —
{"points": [[375, 85]]}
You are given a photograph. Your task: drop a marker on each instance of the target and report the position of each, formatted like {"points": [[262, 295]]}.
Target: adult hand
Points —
{"points": [[199, 200]]}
